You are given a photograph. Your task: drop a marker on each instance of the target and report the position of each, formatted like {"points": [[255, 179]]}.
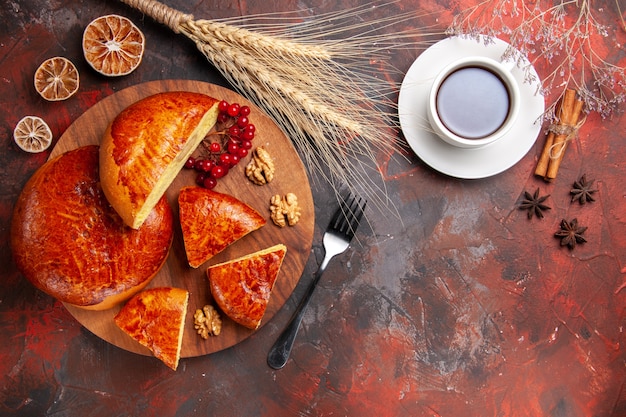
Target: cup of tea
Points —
{"points": [[473, 102]]}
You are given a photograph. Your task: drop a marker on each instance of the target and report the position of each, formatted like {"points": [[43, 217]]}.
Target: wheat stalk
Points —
{"points": [[315, 80]]}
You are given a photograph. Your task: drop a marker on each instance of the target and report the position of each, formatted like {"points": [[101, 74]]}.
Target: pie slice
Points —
{"points": [[144, 148], [242, 287], [156, 319], [211, 221]]}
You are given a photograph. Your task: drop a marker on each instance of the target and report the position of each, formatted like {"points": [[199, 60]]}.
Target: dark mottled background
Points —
{"points": [[462, 308]]}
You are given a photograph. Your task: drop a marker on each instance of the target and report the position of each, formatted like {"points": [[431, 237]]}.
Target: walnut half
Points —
{"points": [[207, 322], [285, 210], [260, 169]]}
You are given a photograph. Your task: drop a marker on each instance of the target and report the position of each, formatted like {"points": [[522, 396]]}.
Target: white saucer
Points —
{"points": [[451, 160]]}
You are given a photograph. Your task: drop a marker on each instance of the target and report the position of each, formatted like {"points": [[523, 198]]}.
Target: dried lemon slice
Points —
{"points": [[56, 79], [113, 45], [32, 134]]}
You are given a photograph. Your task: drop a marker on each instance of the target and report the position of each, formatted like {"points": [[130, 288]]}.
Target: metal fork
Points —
{"points": [[336, 240]]}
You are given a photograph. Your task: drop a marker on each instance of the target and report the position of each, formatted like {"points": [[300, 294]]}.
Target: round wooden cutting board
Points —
{"points": [[290, 176]]}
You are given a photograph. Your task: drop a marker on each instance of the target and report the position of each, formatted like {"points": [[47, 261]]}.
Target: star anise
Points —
{"points": [[583, 190], [534, 204], [571, 233]]}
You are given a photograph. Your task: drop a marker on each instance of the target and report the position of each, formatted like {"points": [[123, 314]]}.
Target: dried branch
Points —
{"points": [[563, 35]]}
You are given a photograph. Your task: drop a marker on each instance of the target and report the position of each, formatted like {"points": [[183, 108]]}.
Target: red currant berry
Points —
{"points": [[247, 135], [242, 153], [243, 121], [233, 110], [234, 131], [225, 158], [222, 117], [200, 178], [244, 111], [215, 147], [218, 171], [232, 148], [231, 141], [209, 183], [246, 144], [223, 106], [191, 162], [251, 127], [234, 159]]}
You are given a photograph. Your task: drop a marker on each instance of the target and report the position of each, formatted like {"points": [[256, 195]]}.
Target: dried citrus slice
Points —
{"points": [[56, 79], [32, 134], [113, 45]]}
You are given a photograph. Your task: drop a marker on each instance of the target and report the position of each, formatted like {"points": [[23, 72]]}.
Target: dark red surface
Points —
{"points": [[465, 308]]}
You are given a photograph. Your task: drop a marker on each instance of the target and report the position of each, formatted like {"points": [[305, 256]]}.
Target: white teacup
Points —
{"points": [[473, 102]]}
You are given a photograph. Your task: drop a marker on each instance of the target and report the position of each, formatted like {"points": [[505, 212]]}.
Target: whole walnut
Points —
{"points": [[260, 169], [207, 321], [285, 210]]}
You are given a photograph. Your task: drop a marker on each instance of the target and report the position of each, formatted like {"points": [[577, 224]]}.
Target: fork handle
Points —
{"points": [[279, 353]]}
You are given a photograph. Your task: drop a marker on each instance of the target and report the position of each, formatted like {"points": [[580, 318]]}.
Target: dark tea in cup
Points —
{"points": [[473, 102]]}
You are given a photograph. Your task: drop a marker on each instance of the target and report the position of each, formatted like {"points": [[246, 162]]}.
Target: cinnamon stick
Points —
{"points": [[556, 141], [561, 141], [544, 158], [562, 115]]}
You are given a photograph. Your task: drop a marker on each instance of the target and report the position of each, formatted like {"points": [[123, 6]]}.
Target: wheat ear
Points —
{"points": [[321, 92]]}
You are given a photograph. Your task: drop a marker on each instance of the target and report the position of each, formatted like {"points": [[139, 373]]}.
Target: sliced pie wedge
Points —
{"points": [[242, 287], [147, 144], [211, 221], [156, 319]]}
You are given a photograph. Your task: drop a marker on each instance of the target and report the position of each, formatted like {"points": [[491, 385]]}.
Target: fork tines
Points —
{"points": [[347, 218]]}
